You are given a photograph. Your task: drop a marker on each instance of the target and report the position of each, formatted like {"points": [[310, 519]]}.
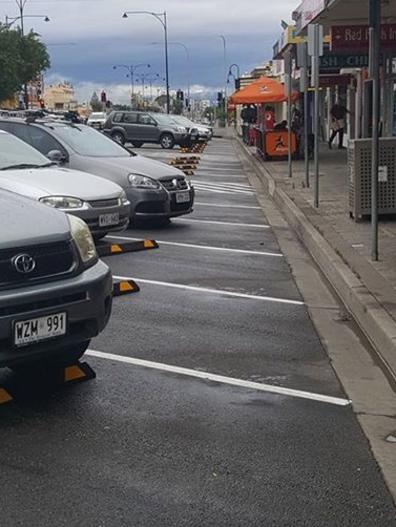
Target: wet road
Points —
{"points": [[150, 444]]}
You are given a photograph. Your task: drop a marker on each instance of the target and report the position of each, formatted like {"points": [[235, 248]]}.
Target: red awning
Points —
{"points": [[262, 91]]}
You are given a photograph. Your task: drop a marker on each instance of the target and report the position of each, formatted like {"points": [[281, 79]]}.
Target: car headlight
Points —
{"points": [[83, 239], [138, 181], [181, 129], [62, 202], [124, 199]]}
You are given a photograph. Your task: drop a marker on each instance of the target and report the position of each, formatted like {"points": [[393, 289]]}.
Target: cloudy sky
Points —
{"points": [[87, 37]]}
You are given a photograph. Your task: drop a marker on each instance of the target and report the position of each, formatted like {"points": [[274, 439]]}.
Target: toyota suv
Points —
{"points": [[146, 127], [55, 294]]}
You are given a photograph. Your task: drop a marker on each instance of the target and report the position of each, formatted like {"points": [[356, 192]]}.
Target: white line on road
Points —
{"points": [[219, 292], [278, 390], [205, 247], [230, 224], [202, 187], [225, 184], [203, 204], [199, 173], [205, 189]]}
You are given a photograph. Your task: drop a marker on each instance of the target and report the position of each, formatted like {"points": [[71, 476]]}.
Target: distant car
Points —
{"points": [[145, 127], [102, 204], [97, 120], [55, 295], [155, 190], [202, 132]]}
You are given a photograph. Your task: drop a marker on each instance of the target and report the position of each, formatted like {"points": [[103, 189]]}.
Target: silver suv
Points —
{"points": [[146, 127], [55, 295]]}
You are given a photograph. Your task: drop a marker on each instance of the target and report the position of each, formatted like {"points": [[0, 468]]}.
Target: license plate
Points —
{"points": [[109, 219], [37, 329], [182, 197]]}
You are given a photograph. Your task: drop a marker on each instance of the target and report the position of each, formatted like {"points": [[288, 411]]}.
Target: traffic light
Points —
{"points": [[103, 97], [220, 99], [180, 95]]}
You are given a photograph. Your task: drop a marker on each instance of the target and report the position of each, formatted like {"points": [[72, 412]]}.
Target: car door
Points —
{"points": [[129, 124], [36, 137], [148, 128]]}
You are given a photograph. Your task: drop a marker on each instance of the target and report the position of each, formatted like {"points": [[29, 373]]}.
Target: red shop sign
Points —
{"points": [[356, 38]]}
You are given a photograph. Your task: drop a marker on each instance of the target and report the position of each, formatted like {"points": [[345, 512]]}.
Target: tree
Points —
{"points": [[95, 103], [22, 59]]}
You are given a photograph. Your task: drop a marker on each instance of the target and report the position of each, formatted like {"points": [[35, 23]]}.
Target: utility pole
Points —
{"points": [[315, 50], [225, 79]]}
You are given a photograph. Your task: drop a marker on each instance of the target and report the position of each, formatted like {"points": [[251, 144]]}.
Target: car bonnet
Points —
{"points": [[54, 181], [26, 223]]}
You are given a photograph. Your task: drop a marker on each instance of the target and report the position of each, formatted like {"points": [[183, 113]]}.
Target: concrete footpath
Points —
{"points": [[339, 245]]}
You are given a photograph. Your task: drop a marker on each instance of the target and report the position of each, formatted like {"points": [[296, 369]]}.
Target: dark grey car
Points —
{"points": [[55, 295], [145, 127]]}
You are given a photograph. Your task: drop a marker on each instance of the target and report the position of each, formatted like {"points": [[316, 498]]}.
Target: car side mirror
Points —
{"points": [[56, 156]]}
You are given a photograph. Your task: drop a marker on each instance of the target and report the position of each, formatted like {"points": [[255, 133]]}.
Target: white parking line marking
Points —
{"points": [[225, 184], [203, 187], [199, 173], [203, 204], [205, 247], [230, 224], [219, 292], [278, 390]]}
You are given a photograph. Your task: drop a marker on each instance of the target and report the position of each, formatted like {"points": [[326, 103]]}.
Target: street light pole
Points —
{"points": [[225, 78], [162, 18], [374, 72], [10, 21], [131, 70], [188, 56]]}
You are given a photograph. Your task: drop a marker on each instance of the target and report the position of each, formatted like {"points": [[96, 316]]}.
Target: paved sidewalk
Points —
{"points": [[341, 246]]}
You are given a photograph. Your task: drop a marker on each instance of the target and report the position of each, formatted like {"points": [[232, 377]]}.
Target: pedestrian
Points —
{"points": [[338, 115]]}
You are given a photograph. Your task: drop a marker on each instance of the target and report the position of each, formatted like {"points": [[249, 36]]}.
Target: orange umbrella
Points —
{"points": [[262, 91]]}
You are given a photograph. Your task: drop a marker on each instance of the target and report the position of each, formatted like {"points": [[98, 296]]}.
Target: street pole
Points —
{"points": [[225, 79], [163, 20], [315, 50], [166, 64], [302, 60], [288, 71], [374, 68], [316, 112]]}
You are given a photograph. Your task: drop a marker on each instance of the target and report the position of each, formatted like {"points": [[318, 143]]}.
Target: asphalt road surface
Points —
{"points": [[235, 418]]}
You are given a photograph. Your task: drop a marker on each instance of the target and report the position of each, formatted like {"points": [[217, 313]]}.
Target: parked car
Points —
{"points": [[201, 132], [55, 294], [102, 204], [97, 120], [145, 127], [154, 189]]}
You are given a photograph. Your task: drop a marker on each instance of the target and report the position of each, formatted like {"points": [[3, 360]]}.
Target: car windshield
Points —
{"points": [[15, 153], [182, 120], [163, 119], [97, 115], [89, 142]]}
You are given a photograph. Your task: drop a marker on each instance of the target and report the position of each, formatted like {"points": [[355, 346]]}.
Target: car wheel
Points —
{"points": [[137, 144], [67, 356], [167, 141], [118, 137]]}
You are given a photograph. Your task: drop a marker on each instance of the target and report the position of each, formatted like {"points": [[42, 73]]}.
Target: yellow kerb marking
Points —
{"points": [[73, 373], [116, 249], [5, 397]]}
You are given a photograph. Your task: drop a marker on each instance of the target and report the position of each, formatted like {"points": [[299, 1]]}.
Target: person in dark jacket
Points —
{"points": [[338, 116]]}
